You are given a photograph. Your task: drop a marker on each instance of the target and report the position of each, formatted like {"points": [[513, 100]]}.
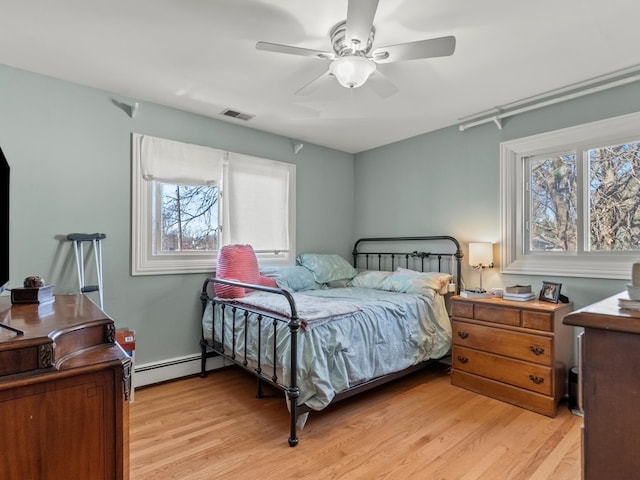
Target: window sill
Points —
{"points": [[611, 266]]}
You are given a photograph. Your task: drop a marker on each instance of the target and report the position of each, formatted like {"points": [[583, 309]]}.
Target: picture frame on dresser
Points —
{"points": [[550, 292]]}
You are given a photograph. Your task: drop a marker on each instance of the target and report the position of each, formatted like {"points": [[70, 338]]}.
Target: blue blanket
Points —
{"points": [[373, 333]]}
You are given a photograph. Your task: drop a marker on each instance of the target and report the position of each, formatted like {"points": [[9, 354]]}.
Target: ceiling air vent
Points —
{"points": [[239, 115]]}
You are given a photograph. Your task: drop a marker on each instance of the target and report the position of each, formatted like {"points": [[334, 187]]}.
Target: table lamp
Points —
{"points": [[481, 257]]}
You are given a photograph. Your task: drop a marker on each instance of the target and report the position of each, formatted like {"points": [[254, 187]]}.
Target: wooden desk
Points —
{"points": [[64, 387], [610, 389]]}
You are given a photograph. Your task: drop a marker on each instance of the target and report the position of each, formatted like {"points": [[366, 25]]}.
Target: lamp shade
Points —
{"points": [[352, 70], [480, 254]]}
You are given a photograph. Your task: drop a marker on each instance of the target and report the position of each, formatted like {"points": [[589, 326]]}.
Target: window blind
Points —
{"points": [[179, 163], [256, 198]]}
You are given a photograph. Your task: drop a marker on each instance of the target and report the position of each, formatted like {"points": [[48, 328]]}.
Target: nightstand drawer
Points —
{"points": [[505, 316], [523, 346], [537, 320], [460, 309], [514, 372]]}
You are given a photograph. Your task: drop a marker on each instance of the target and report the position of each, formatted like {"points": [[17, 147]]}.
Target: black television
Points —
{"points": [[4, 221]]}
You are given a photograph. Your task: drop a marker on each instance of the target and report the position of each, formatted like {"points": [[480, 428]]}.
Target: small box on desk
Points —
{"points": [[32, 294], [127, 340]]}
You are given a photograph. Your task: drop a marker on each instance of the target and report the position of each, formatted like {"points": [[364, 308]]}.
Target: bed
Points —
{"points": [[320, 338]]}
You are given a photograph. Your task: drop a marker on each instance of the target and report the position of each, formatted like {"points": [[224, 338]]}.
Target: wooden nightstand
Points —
{"points": [[517, 352]]}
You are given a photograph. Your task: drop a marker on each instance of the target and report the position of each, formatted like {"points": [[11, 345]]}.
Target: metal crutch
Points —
{"points": [[94, 238]]}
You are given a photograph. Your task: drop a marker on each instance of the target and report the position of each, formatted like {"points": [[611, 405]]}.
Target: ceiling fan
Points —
{"points": [[354, 59]]}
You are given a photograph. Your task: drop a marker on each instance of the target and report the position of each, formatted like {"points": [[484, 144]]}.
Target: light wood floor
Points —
{"points": [[417, 427]]}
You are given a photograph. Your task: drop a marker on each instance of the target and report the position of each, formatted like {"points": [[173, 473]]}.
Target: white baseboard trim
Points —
{"points": [[170, 369]]}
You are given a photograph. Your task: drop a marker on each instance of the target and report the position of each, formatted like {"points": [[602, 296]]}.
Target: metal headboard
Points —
{"points": [[367, 254]]}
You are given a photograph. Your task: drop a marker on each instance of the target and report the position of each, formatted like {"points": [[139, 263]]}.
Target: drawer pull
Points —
{"points": [[463, 335], [535, 379], [536, 350], [462, 359]]}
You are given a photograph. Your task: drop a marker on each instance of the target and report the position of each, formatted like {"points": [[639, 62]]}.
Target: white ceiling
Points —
{"points": [[200, 56]]}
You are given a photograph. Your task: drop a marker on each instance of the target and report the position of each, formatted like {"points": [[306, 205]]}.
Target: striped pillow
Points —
{"points": [[236, 262]]}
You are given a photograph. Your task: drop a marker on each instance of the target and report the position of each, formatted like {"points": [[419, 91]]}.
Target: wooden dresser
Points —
{"points": [[518, 352], [64, 386], [610, 378]]}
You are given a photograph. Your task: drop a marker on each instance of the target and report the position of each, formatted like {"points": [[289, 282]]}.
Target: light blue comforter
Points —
{"points": [[374, 333]]}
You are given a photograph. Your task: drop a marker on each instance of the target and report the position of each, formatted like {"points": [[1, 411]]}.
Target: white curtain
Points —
{"points": [[257, 198], [180, 163]]}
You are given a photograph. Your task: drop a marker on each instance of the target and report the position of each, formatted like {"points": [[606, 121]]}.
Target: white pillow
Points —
{"points": [[411, 281], [369, 278]]}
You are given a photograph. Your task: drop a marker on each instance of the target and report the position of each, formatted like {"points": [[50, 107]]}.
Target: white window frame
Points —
{"points": [[143, 260], [514, 256]]}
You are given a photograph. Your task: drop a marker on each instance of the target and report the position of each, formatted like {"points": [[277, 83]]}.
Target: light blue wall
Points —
{"points": [[447, 182], [69, 149]]}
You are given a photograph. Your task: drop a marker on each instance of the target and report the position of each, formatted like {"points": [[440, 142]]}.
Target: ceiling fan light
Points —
{"points": [[352, 70]]}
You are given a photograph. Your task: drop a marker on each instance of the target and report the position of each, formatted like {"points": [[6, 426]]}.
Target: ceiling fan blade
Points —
{"points": [[305, 52], [314, 84], [360, 14], [381, 85], [434, 47]]}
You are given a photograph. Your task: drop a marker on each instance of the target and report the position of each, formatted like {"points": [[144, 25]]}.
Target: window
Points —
{"points": [[571, 200], [188, 200], [188, 218], [551, 186]]}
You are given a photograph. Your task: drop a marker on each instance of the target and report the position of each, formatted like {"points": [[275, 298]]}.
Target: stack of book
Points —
{"points": [[633, 291], [629, 304], [519, 293], [519, 297]]}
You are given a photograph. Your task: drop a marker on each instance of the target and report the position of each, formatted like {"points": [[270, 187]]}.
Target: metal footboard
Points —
{"points": [[257, 368]]}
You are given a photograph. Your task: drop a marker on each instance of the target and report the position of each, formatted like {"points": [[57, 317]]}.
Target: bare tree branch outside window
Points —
{"points": [[612, 212], [553, 204], [614, 196], [189, 218]]}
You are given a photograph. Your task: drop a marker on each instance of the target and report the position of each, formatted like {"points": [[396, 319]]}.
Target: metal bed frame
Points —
{"points": [[362, 258]]}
